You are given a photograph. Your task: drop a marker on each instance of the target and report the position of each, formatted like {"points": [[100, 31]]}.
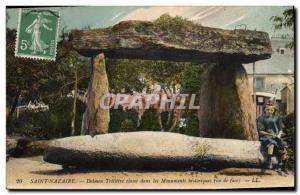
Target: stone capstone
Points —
{"points": [[193, 42]]}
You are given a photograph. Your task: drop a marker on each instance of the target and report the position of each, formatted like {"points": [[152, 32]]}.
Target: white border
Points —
{"points": [[32, 56], [153, 2], [117, 3]]}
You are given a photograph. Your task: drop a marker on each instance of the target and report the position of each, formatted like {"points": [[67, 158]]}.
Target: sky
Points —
{"points": [[256, 18]]}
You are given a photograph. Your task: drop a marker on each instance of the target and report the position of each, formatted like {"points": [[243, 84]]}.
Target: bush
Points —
{"points": [[54, 123], [191, 126], [167, 22], [289, 122], [128, 125], [192, 76], [122, 120], [150, 121]]}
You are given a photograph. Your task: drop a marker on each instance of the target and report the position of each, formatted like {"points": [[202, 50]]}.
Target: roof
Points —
{"points": [[265, 94]]}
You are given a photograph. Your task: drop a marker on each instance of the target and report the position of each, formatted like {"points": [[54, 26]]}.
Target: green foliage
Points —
{"points": [[116, 118], [123, 120], [192, 124], [43, 80], [286, 20], [124, 75], [167, 22], [150, 121], [128, 125], [174, 27], [24, 76], [289, 122], [165, 119], [134, 75], [191, 80], [165, 73], [50, 124]]}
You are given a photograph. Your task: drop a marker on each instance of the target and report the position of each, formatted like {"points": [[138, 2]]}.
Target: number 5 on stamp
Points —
{"points": [[37, 34]]}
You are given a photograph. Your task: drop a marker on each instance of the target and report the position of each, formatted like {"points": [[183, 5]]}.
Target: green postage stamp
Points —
{"points": [[37, 34]]}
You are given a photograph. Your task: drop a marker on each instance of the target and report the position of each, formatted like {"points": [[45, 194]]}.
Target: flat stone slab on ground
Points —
{"points": [[153, 150]]}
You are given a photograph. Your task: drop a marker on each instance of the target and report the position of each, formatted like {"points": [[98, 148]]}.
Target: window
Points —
{"points": [[260, 84], [260, 100], [277, 50]]}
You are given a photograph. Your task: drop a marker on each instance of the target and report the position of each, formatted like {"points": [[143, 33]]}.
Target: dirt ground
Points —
{"points": [[33, 173]]}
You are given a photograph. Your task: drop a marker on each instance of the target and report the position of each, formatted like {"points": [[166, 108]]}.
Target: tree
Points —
{"points": [[48, 81], [286, 20], [125, 75], [24, 76]]}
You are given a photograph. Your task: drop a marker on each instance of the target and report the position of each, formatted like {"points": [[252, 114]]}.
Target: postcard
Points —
{"points": [[152, 98]]}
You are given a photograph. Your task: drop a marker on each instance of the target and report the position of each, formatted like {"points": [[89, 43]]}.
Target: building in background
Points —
{"points": [[287, 99], [274, 77]]}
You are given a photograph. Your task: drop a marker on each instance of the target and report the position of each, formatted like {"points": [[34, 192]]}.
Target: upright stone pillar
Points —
{"points": [[226, 107], [96, 119]]}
